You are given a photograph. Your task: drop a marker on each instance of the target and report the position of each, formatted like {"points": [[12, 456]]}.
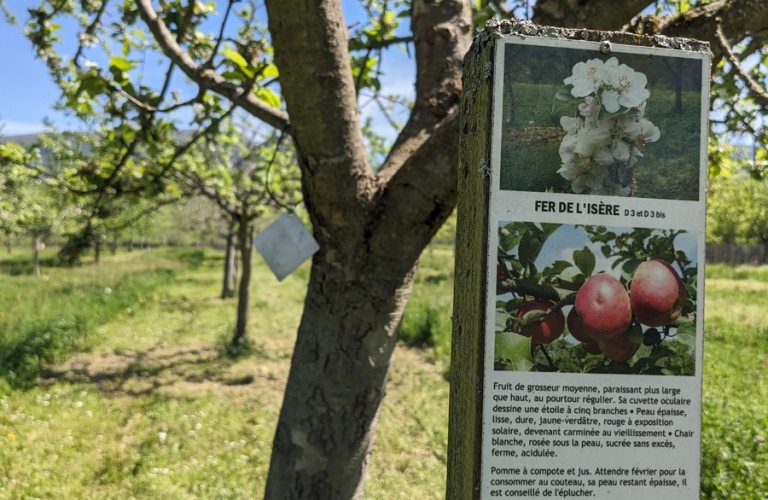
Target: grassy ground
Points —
{"points": [[138, 401]]}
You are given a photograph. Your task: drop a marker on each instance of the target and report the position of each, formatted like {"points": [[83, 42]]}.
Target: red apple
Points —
{"points": [[620, 348], [550, 328], [656, 293], [602, 303], [577, 328]]}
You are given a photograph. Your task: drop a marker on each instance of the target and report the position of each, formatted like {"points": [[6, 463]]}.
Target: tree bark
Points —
{"points": [[9, 245], [607, 15], [36, 255], [245, 241], [371, 231], [97, 251], [230, 264]]}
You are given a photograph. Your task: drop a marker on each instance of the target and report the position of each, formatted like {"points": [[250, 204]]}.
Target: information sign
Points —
{"points": [[588, 348]]}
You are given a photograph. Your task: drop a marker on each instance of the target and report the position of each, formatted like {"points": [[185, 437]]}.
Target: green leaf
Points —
{"points": [[121, 63], [515, 348], [269, 96], [564, 94], [269, 71], [585, 260], [246, 67]]}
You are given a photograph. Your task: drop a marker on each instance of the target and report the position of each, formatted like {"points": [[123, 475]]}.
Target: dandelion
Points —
{"points": [[107, 290], [83, 393], [162, 436], [79, 404], [760, 438], [12, 437]]}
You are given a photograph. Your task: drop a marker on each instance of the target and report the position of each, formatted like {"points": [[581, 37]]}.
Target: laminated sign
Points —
{"points": [[285, 245], [580, 267]]}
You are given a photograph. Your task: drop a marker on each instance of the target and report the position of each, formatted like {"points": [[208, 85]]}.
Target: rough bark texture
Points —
{"points": [[738, 19], [592, 14], [230, 265], [36, 255], [464, 425], [371, 230], [245, 242]]}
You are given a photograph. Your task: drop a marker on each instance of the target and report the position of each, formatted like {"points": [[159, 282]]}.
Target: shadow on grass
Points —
{"points": [[141, 373], [22, 265]]}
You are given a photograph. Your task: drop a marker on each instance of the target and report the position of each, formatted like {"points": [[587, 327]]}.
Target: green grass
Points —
{"points": [[141, 404], [735, 406]]}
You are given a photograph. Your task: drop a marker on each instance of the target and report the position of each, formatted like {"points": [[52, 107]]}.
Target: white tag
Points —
{"points": [[285, 245]]}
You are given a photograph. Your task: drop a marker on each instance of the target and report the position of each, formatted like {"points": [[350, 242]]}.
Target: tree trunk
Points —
{"points": [[337, 379], [113, 246], [9, 245], [97, 251], [130, 245], [36, 255], [245, 241], [371, 229], [230, 264]]}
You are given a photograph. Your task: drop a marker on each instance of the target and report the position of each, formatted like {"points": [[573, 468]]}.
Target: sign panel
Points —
{"points": [[592, 362], [285, 245]]}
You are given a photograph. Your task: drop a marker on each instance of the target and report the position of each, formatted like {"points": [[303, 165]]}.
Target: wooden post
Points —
{"points": [[526, 166]]}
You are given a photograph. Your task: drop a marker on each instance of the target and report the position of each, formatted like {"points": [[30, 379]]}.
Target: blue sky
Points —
{"points": [[28, 94]]}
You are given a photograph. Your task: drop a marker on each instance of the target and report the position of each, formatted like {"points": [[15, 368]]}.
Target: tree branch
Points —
{"points": [[442, 33], [207, 78], [757, 91], [421, 194], [608, 15], [737, 18], [310, 43]]}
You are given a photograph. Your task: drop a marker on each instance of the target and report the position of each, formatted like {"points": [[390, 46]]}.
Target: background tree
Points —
{"points": [[371, 224], [244, 175]]}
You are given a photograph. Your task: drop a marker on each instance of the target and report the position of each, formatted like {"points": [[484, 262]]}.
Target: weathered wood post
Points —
{"points": [[577, 342]]}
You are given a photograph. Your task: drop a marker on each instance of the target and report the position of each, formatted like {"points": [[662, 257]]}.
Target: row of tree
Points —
{"points": [[225, 182]]}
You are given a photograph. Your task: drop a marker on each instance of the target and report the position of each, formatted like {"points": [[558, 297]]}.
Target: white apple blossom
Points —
{"points": [[586, 78], [623, 86], [598, 154]]}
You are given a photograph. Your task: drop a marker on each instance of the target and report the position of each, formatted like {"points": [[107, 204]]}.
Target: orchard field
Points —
{"points": [[117, 382]]}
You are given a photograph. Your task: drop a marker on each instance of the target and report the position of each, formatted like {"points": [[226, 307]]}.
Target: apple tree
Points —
{"points": [[371, 224], [245, 175]]}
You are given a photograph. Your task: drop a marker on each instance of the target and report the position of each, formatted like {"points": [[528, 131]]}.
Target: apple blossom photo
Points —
{"points": [[595, 299], [614, 124]]}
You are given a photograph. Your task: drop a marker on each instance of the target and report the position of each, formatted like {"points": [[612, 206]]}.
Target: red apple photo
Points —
{"points": [[656, 294], [625, 295], [602, 303], [550, 327]]}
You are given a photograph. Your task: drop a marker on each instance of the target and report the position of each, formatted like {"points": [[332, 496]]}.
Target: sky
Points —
{"points": [[28, 94]]}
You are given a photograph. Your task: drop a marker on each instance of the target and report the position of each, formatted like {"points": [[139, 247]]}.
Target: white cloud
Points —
{"points": [[9, 128]]}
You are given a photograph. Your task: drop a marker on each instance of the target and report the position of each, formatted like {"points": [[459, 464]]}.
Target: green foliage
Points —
{"points": [[737, 210], [427, 319]]}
